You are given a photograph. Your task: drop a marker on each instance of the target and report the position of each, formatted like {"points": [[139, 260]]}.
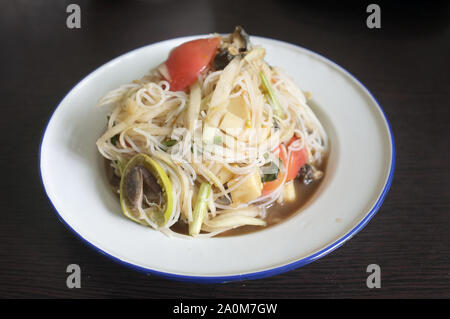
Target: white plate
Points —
{"points": [[359, 174]]}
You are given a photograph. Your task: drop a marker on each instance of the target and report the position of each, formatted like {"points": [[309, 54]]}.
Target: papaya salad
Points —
{"points": [[214, 139]]}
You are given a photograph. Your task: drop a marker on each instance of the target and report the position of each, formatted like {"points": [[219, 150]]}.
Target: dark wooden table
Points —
{"points": [[405, 64]]}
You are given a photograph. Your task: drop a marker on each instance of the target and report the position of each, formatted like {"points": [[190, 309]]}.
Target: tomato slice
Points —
{"points": [[188, 60], [292, 166], [296, 160]]}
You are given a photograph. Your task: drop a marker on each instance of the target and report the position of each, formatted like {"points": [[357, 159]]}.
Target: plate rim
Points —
{"points": [[256, 274]]}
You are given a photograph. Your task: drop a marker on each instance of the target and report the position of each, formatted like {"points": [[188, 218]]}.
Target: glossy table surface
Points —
{"points": [[405, 64]]}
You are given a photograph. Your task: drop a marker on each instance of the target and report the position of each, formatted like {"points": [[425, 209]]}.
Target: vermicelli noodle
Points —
{"points": [[225, 130]]}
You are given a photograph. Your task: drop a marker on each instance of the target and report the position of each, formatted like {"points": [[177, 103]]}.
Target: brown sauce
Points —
{"points": [[275, 214], [280, 212]]}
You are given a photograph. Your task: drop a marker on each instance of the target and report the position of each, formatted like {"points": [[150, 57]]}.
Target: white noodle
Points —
{"points": [[146, 114]]}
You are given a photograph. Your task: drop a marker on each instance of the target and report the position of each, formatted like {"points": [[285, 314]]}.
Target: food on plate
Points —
{"points": [[212, 141]]}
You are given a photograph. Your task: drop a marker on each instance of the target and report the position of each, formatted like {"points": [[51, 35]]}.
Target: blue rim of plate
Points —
{"points": [[264, 273]]}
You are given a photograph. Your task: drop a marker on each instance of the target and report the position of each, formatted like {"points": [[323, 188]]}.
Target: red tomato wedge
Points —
{"points": [[188, 60], [296, 160]]}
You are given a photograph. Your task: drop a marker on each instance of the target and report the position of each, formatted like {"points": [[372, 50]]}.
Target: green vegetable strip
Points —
{"points": [[276, 106], [218, 140], [169, 142], [120, 165], [199, 213], [269, 172], [114, 139]]}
